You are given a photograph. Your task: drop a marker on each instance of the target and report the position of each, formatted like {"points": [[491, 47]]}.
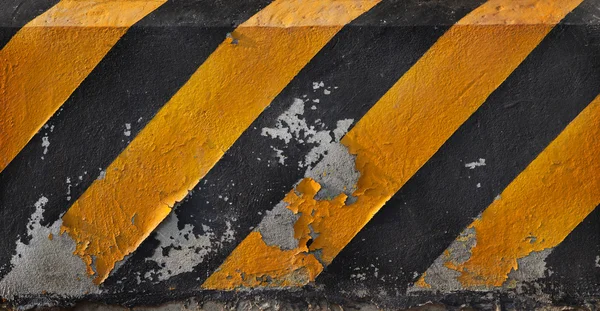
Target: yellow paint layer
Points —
{"points": [[409, 124], [48, 58], [284, 268], [520, 12], [195, 128], [541, 206]]}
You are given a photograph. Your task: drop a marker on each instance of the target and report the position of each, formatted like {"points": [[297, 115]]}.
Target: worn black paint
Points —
{"points": [[363, 62], [555, 82], [139, 75]]}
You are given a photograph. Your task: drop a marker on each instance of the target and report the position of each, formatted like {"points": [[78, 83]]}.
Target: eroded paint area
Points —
{"points": [[443, 275], [290, 229], [264, 266], [181, 250], [46, 265], [277, 227], [280, 266], [530, 268], [328, 161]]}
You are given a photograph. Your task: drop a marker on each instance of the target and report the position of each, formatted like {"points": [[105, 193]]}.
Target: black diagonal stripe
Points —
{"points": [[139, 75], [555, 82], [14, 14], [573, 267], [359, 64]]}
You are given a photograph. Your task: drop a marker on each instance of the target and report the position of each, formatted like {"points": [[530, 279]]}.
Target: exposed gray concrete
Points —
{"points": [[191, 248], [530, 267], [277, 227], [46, 264]]}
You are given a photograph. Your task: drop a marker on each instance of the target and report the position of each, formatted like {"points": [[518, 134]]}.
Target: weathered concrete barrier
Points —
{"points": [[390, 151]]}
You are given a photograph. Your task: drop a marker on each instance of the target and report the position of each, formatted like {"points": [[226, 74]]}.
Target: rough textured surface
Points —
{"points": [[300, 154]]}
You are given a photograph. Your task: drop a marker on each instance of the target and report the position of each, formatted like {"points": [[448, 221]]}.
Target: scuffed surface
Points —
{"points": [[347, 178], [387, 154], [293, 224]]}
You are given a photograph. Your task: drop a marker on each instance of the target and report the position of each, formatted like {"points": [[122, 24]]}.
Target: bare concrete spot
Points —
{"points": [[288, 124], [530, 268], [277, 227], [47, 264], [473, 165], [336, 173]]}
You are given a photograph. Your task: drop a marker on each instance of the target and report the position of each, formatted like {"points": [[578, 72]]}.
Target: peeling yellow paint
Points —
{"points": [[411, 122], [546, 201], [279, 267], [264, 266], [48, 58], [195, 128]]}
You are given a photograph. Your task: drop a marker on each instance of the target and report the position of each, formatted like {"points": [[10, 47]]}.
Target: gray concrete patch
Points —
{"points": [[530, 267], [277, 227], [185, 249], [442, 278], [336, 173], [47, 264]]}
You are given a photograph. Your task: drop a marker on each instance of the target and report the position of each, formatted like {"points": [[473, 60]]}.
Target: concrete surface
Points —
{"points": [[300, 154]]}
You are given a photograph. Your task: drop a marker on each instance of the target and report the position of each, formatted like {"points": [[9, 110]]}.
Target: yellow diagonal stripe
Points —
{"points": [[540, 207], [398, 135], [48, 58], [194, 129]]}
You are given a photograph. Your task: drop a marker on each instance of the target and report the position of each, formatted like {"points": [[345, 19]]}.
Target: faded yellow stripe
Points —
{"points": [[195, 128], [400, 133], [48, 58], [541, 206]]}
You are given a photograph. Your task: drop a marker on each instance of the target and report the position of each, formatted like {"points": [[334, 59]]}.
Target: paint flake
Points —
{"points": [[127, 131], [279, 154], [473, 165], [45, 143]]}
